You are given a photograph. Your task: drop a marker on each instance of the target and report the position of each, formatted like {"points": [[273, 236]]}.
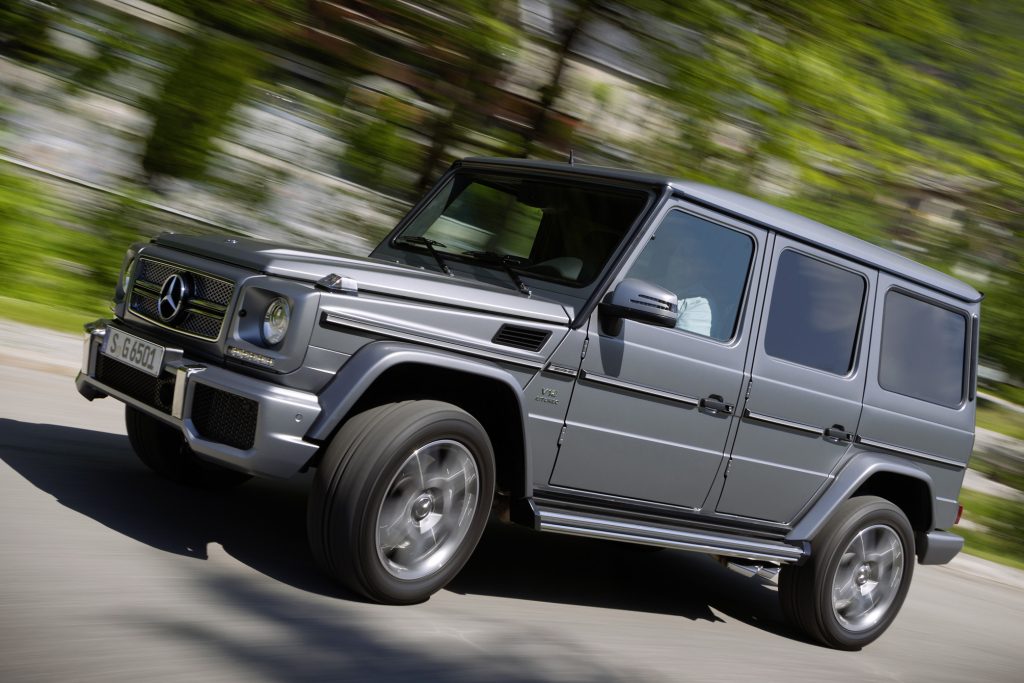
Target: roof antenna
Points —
{"points": [[572, 157]]}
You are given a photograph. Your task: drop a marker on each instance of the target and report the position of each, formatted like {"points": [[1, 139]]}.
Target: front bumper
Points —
{"points": [[240, 422]]}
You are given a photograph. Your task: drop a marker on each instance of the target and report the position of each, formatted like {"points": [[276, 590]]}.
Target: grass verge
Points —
{"points": [[1001, 475], [1000, 419], [49, 316], [1002, 539]]}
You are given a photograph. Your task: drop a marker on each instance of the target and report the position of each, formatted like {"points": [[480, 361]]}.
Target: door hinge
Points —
{"points": [[561, 436], [586, 343], [750, 383]]}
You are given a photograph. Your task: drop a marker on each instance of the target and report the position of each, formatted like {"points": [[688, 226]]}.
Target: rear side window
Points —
{"points": [[923, 350], [815, 313]]}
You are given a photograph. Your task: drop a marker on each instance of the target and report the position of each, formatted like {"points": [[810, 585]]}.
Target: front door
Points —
{"points": [[636, 426], [807, 383]]}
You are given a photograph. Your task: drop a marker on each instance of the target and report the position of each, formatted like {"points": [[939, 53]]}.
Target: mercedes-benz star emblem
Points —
{"points": [[173, 295]]}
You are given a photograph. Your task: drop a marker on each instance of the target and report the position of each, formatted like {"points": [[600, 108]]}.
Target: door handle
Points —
{"points": [[837, 434], [713, 405]]}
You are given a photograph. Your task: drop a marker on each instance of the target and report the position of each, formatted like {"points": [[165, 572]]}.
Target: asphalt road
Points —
{"points": [[108, 573]]}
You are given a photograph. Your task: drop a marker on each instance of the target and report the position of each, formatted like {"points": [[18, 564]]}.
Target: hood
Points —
{"points": [[371, 275]]}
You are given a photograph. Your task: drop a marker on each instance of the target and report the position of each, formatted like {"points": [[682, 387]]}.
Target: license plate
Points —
{"points": [[131, 350]]}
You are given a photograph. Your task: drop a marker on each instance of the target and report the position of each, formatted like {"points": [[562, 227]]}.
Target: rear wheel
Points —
{"points": [[162, 448], [853, 585], [400, 499]]}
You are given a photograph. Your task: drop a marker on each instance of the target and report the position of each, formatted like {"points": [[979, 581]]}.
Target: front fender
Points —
{"points": [[371, 361]]}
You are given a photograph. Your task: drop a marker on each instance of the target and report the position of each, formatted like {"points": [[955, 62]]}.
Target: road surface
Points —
{"points": [[108, 573]]}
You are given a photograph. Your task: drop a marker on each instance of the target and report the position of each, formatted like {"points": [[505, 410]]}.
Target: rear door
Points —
{"points": [[920, 401], [806, 386], [635, 426]]}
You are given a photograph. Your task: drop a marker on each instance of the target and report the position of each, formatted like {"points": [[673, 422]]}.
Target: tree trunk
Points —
{"points": [[550, 92]]}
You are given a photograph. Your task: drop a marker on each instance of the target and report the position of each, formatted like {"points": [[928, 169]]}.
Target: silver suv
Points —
{"points": [[584, 351]]}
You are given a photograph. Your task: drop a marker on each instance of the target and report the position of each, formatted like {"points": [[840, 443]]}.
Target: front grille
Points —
{"points": [[206, 286], [529, 338], [224, 417], [205, 307], [157, 392]]}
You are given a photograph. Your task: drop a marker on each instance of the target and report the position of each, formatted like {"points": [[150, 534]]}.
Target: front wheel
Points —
{"points": [[400, 499], [853, 585]]}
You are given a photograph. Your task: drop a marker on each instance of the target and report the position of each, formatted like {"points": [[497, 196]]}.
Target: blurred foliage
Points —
{"points": [[999, 419], [112, 55], [999, 474], [375, 147], [1000, 540], [1002, 328], [850, 113], [1008, 392], [44, 254], [205, 83], [24, 29], [262, 20]]}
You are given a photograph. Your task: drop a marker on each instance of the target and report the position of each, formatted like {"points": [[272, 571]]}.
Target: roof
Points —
{"points": [[763, 214]]}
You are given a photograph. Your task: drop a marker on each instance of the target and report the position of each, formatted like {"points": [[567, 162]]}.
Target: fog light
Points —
{"points": [[275, 321]]}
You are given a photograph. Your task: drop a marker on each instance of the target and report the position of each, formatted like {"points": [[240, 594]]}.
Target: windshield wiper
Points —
{"points": [[506, 261], [430, 244]]}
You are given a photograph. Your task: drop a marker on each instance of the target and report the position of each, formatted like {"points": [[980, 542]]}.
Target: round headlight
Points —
{"points": [[275, 321]]}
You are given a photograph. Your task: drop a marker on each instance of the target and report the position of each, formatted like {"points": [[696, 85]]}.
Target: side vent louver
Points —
{"points": [[528, 338]]}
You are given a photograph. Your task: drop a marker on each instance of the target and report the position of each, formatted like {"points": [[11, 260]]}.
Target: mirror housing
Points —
{"points": [[642, 301]]}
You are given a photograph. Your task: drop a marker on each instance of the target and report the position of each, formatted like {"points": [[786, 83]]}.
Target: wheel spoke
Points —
{"points": [[845, 582], [419, 469], [867, 577], [420, 543], [843, 595], [422, 518], [862, 551], [392, 526]]}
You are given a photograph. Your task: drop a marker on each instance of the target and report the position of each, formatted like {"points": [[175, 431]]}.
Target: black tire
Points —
{"points": [[848, 623], [162, 448], [364, 468]]}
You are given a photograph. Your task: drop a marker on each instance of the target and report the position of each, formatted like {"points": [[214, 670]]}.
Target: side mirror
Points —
{"points": [[634, 299]]}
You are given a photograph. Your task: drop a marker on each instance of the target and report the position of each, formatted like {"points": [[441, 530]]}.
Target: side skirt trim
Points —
{"points": [[594, 526]]}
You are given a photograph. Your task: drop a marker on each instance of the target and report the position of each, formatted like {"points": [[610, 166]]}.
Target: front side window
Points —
{"points": [[539, 227], [923, 350], [815, 313], [706, 265]]}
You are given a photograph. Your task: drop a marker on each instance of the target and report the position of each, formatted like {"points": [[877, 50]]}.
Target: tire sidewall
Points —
{"points": [[866, 514]]}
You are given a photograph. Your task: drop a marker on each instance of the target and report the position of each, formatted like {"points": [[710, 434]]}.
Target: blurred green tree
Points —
{"points": [[24, 29], [468, 43], [1002, 327], [209, 76], [871, 107], [375, 144], [205, 83]]}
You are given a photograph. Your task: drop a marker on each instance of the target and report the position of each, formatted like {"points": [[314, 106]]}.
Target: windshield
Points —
{"points": [[540, 228]]}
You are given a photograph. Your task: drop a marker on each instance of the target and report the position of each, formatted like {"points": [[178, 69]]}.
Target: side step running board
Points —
{"points": [[593, 526]]}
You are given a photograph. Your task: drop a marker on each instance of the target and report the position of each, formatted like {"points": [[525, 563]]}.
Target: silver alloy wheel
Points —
{"points": [[868, 577], [427, 509]]}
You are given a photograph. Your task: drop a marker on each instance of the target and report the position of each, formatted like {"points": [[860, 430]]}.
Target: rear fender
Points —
{"points": [[859, 470]]}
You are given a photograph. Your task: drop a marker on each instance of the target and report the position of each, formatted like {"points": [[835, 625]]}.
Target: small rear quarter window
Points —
{"points": [[924, 349]]}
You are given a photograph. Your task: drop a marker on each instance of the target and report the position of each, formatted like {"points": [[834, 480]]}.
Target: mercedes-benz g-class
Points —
{"points": [[601, 353]]}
